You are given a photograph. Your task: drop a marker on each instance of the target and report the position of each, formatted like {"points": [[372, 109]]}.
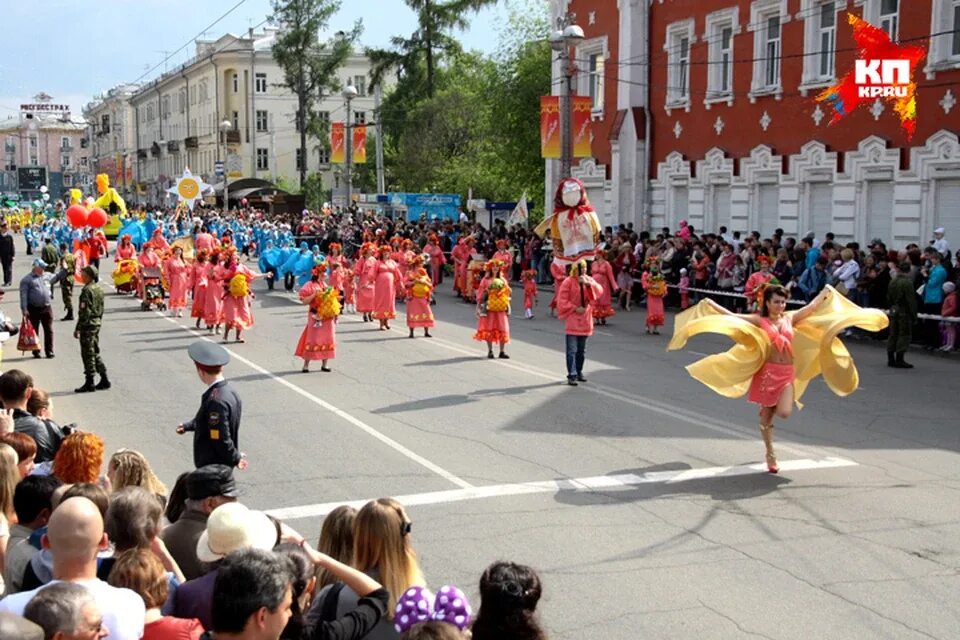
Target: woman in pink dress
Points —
{"points": [[387, 283], [149, 260], [213, 300], [437, 259], [406, 255], [237, 314], [419, 289], [125, 248], [349, 286], [492, 325], [318, 341], [177, 273], [159, 242], [654, 284], [199, 285], [366, 273], [603, 274], [335, 262]]}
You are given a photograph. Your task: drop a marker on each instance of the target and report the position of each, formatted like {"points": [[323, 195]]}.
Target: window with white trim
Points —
{"points": [[680, 37], [263, 162], [324, 155], [236, 83], [820, 42], [591, 78], [260, 83], [767, 18], [360, 117], [595, 68], [261, 120], [721, 26], [360, 84], [944, 50], [955, 40], [890, 18]]}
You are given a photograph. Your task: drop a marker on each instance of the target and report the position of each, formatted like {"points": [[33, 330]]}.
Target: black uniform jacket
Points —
{"points": [[216, 427]]}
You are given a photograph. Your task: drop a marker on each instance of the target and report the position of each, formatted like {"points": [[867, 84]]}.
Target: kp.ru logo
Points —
{"points": [[883, 71]]}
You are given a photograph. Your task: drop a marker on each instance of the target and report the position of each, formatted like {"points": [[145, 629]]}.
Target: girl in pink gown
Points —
{"points": [[199, 282], [237, 314], [125, 249], [177, 273], [492, 326], [437, 259], [651, 281], [558, 273], [504, 256], [318, 340], [159, 242], [366, 273], [335, 262], [603, 274], [386, 285], [349, 287], [419, 288], [213, 301]]}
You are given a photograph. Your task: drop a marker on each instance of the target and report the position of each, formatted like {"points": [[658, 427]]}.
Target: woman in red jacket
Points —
{"points": [[575, 303]]}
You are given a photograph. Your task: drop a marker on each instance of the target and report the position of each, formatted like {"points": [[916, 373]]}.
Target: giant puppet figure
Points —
{"points": [[573, 226]]}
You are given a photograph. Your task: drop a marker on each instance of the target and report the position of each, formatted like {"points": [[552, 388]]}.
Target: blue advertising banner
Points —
{"points": [[432, 206]]}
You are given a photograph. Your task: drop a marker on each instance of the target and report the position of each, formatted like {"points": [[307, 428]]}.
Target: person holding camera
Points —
{"points": [[16, 389]]}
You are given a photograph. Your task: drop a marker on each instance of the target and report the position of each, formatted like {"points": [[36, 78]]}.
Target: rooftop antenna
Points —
{"points": [[166, 58]]}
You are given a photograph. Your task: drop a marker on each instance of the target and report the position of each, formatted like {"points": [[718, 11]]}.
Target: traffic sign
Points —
{"points": [[218, 168]]}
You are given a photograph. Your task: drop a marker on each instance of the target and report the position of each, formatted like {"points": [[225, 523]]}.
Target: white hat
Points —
{"points": [[233, 526], [939, 230]]}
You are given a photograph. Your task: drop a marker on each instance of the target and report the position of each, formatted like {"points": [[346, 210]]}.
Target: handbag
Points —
{"points": [[28, 340]]}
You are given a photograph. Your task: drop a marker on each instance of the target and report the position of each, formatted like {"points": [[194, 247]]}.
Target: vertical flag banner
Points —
{"points": [[337, 140], [359, 143], [582, 129], [520, 213], [550, 126]]}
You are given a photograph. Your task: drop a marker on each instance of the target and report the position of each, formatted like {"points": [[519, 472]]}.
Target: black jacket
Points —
{"points": [[216, 427], [46, 433], [7, 250]]}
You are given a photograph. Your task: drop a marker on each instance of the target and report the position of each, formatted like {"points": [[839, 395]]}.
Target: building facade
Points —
{"points": [[112, 141], [737, 138], [179, 117], [51, 143]]}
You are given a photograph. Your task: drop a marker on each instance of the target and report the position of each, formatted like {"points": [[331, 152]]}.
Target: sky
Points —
{"points": [[78, 48]]}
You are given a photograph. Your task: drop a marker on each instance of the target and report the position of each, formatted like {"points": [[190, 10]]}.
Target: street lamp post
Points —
{"points": [[349, 93], [567, 35], [225, 126]]}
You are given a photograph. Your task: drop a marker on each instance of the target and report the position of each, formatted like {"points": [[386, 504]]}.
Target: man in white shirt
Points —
{"points": [[74, 536], [939, 242]]}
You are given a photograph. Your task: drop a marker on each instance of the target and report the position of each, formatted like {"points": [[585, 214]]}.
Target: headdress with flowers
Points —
{"points": [[385, 248], [334, 246]]}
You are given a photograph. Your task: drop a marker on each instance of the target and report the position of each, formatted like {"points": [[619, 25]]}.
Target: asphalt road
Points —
{"points": [[639, 496]]}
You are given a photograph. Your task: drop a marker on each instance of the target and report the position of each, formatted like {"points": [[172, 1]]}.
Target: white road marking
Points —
{"points": [[615, 482]]}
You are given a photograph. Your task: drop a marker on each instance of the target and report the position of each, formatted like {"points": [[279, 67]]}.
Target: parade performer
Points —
{"points": [[149, 261], [503, 256], [777, 353], [318, 341], [388, 281], [269, 262], [461, 258], [602, 272], [493, 310], [406, 255], [655, 285], [575, 301], [177, 273], [125, 249], [529, 292], [198, 280], [366, 272], [216, 427], [213, 300], [159, 242], [349, 286], [236, 278], [559, 272], [573, 226], [87, 331], [757, 281], [204, 240], [419, 288], [335, 263], [437, 259]]}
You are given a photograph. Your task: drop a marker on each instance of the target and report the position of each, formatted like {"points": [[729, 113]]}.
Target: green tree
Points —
{"points": [[309, 65]]}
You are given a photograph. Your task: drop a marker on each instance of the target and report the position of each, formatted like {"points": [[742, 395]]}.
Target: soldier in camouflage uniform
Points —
{"points": [[67, 267], [89, 317], [902, 300]]}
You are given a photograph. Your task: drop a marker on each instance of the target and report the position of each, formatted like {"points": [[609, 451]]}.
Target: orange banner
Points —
{"points": [[550, 126], [359, 143], [337, 139], [582, 129]]}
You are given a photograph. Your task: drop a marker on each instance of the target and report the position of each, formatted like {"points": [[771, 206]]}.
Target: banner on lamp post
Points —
{"points": [[582, 128], [359, 144], [550, 126], [337, 143]]}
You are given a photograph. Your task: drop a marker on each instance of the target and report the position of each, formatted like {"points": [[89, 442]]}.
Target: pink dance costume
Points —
{"points": [[318, 340], [769, 383]]}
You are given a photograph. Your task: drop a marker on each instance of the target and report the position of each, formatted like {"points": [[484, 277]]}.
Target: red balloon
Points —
{"points": [[97, 218], [77, 216]]}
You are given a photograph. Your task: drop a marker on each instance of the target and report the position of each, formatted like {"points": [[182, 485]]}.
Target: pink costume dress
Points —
{"points": [[529, 293], [769, 382], [495, 326], [655, 315], [159, 242], [204, 242], [366, 271], [419, 314], [349, 284], [148, 261], [177, 273], [213, 301], [506, 258], [236, 309], [127, 252], [437, 260], [318, 341], [385, 291], [559, 275], [602, 272], [199, 290], [336, 273]]}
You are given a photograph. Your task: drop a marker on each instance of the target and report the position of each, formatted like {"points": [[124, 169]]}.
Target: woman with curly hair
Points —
{"points": [[509, 594], [79, 459], [129, 468]]}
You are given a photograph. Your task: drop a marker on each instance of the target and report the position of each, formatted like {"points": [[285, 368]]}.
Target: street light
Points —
{"points": [[349, 93], [567, 34], [225, 126]]}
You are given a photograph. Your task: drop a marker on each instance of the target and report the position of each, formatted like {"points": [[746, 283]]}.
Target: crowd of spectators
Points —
{"points": [[92, 547]]}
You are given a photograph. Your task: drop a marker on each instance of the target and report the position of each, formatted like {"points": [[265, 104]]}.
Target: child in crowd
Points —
{"points": [[529, 292], [948, 330], [684, 289]]}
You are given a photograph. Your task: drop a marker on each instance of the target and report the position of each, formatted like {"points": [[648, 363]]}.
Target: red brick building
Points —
{"points": [[737, 138]]}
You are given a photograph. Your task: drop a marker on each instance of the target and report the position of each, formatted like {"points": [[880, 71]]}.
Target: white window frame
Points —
{"points": [[592, 47], [678, 75], [265, 121], [810, 13], [871, 13], [360, 84], [236, 82], [716, 23], [260, 82], [940, 55], [324, 155], [359, 117], [760, 12], [263, 159]]}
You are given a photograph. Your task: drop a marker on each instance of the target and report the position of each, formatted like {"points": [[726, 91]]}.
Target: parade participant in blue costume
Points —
{"points": [[303, 270], [135, 229], [149, 226], [268, 262]]}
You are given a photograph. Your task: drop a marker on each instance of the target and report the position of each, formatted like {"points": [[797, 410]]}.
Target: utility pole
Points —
{"points": [[349, 93], [567, 34], [381, 178]]}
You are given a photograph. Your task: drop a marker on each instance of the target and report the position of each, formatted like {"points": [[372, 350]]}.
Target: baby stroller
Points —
{"points": [[153, 291]]}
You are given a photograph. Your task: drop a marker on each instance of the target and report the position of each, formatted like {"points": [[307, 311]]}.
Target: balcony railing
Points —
{"points": [[173, 146], [230, 137], [191, 142]]}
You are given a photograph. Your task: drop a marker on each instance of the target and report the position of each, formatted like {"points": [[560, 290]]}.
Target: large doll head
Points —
{"points": [[570, 193]]}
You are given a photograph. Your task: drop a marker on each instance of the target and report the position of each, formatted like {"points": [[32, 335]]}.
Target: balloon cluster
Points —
{"points": [[90, 212]]}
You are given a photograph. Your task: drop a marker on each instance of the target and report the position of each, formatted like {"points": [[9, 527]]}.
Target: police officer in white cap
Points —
{"points": [[216, 427], [940, 243]]}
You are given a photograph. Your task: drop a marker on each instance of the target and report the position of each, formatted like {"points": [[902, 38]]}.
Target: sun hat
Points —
{"points": [[233, 526]]}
